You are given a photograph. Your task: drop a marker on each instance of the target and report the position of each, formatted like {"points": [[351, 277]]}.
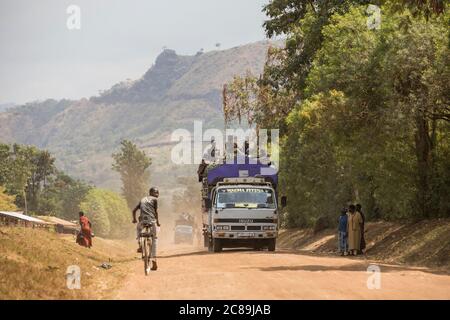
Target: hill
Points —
{"points": [[174, 92]]}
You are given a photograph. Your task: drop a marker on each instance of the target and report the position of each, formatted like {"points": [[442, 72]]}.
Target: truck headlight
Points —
{"points": [[269, 227], [222, 227]]}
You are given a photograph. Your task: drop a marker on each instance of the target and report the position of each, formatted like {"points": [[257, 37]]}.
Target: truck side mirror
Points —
{"points": [[283, 201], [208, 203]]}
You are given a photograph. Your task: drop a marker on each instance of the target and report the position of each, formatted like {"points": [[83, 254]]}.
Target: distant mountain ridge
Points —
{"points": [[173, 93], [155, 83]]}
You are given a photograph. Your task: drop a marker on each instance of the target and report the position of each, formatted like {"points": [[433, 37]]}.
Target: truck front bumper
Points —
{"points": [[242, 235]]}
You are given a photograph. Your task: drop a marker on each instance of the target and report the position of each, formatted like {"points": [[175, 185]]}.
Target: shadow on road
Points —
{"points": [[202, 252], [358, 263], [365, 261], [361, 267], [183, 254]]}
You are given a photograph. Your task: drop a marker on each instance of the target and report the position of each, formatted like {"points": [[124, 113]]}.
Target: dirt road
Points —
{"points": [[187, 273]]}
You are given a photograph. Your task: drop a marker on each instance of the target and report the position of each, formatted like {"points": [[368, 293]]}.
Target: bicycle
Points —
{"points": [[145, 241]]}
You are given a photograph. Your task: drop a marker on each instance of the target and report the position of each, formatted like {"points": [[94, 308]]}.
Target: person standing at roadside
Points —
{"points": [[85, 236], [342, 232], [354, 230], [363, 240]]}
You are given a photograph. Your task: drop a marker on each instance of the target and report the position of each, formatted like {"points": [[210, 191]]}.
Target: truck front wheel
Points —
{"points": [[217, 245], [206, 241], [210, 245], [272, 244], [258, 245]]}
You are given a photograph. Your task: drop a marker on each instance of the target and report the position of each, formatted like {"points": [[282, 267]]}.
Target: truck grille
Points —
{"points": [[253, 228], [237, 227], [223, 220]]}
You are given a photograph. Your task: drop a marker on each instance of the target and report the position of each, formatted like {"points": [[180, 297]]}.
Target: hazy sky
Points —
{"points": [[41, 58]]}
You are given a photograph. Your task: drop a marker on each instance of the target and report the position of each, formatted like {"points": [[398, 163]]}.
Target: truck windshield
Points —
{"points": [[245, 198]]}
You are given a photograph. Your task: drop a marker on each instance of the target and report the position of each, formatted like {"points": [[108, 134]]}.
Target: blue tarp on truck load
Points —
{"points": [[246, 169]]}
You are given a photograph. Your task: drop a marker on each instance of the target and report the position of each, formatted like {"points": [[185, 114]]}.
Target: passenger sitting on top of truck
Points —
{"points": [[201, 170], [238, 155], [210, 154]]}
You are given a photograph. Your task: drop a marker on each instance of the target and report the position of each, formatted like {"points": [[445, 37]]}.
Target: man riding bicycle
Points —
{"points": [[149, 214]]}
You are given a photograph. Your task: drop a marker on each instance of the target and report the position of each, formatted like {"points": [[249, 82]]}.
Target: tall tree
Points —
{"points": [[20, 172], [363, 113], [132, 164], [42, 167], [62, 196], [374, 107]]}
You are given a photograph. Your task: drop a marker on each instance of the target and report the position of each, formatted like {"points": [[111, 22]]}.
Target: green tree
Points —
{"points": [[42, 167], [426, 8], [108, 212], [20, 171], [62, 196], [132, 164], [363, 113], [267, 100], [30, 175], [374, 109], [4, 163]]}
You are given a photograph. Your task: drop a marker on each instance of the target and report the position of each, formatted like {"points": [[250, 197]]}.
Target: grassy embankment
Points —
{"points": [[33, 265], [425, 243]]}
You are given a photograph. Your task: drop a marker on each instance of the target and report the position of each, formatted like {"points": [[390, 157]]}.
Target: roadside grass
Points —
{"points": [[33, 264], [424, 243]]}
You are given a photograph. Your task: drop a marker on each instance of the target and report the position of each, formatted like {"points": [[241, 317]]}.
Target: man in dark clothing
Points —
{"points": [[342, 232], [363, 240]]}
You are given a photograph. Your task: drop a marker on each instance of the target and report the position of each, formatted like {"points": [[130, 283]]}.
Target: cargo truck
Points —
{"points": [[240, 206]]}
